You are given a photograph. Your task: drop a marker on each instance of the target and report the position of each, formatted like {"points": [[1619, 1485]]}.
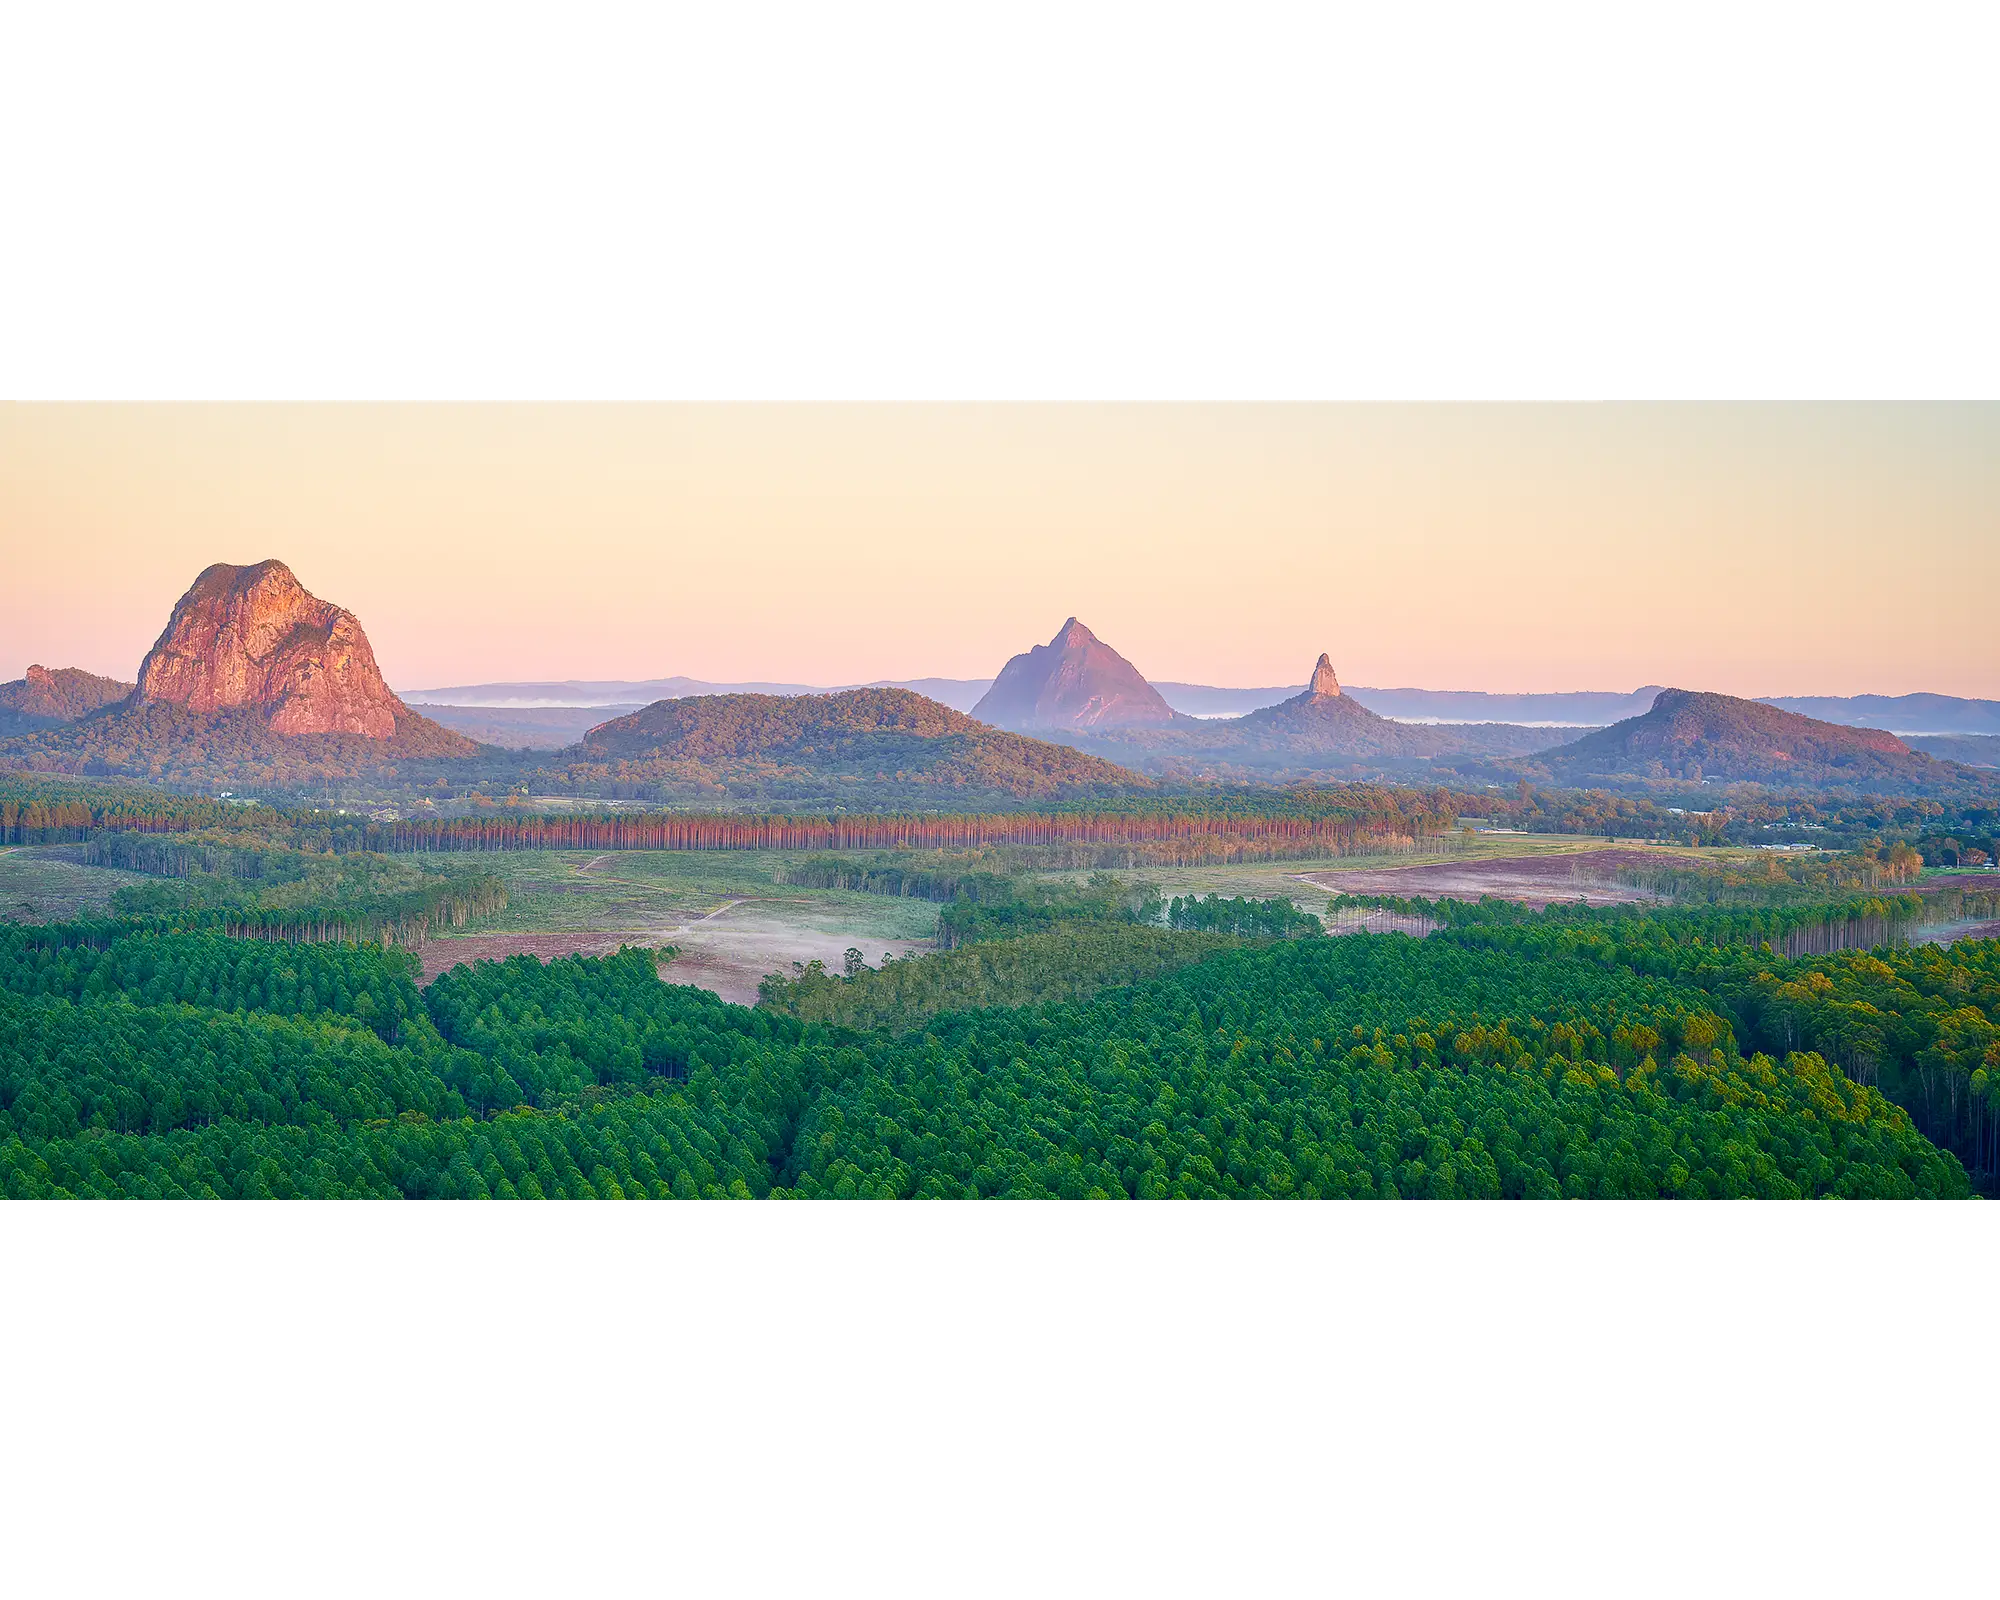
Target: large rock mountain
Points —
{"points": [[1689, 735], [1075, 682], [49, 697], [254, 681], [253, 638]]}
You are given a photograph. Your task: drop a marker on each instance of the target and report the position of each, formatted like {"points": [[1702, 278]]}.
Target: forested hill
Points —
{"points": [[864, 742], [1319, 731], [1691, 735], [172, 744], [49, 697], [254, 681]]}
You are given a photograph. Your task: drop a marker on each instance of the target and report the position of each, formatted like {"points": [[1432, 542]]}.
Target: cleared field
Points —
{"points": [[725, 912], [1263, 881], [1531, 880], [38, 885], [732, 921], [1513, 866]]}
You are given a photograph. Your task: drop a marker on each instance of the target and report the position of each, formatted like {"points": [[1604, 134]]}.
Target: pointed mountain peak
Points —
{"points": [[1076, 680], [1323, 679]]}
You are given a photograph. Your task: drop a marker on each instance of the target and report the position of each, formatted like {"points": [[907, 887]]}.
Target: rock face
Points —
{"points": [[50, 696], [252, 638], [1323, 679], [1074, 681]]}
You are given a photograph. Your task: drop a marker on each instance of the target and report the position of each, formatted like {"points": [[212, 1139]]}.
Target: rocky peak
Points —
{"points": [[1076, 680], [254, 638], [1323, 679], [60, 694]]}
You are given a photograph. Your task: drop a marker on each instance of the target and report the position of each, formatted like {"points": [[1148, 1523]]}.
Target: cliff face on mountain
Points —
{"points": [[1075, 682], [49, 697], [253, 638], [254, 680]]}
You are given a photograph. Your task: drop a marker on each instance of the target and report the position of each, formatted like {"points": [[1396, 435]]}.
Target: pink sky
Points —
{"points": [[1777, 549]]}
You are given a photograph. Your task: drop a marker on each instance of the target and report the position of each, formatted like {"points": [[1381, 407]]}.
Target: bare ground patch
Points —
{"points": [[727, 951], [1531, 880], [1952, 932], [441, 955], [731, 952]]}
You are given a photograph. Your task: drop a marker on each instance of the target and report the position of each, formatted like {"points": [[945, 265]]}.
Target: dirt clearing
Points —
{"points": [[1531, 880], [726, 951]]}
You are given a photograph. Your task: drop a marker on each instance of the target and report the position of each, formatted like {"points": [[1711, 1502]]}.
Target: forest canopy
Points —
{"points": [[1521, 1055]]}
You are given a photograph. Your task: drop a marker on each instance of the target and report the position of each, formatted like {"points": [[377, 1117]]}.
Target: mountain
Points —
{"points": [[553, 715], [1900, 714], [1209, 700], [1076, 681], [1320, 720], [1903, 714], [579, 694], [961, 694], [1322, 731], [527, 727], [255, 681], [1689, 735], [869, 745], [1570, 709], [49, 697], [252, 638], [1969, 749]]}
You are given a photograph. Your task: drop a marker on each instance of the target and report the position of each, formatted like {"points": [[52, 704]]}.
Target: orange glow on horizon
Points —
{"points": [[1778, 549]]}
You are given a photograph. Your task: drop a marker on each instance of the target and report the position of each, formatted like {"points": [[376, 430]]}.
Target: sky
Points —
{"points": [[1751, 549]]}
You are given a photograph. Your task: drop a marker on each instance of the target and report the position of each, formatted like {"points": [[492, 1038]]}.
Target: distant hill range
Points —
{"points": [[253, 680], [1969, 749], [874, 744], [1904, 714], [1321, 731], [1690, 736], [53, 697], [1922, 714]]}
